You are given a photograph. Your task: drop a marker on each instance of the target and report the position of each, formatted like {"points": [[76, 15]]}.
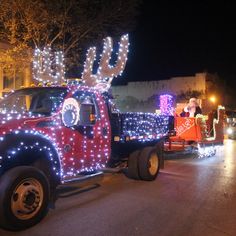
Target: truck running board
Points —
{"points": [[83, 180]]}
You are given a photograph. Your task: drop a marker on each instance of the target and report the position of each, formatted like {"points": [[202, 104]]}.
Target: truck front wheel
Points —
{"points": [[24, 197], [149, 164]]}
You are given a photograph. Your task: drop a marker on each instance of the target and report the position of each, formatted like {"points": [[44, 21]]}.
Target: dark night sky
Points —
{"points": [[182, 38]]}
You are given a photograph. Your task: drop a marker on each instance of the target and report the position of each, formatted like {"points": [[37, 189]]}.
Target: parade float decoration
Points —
{"points": [[102, 79], [202, 134], [48, 66], [58, 135], [167, 105]]}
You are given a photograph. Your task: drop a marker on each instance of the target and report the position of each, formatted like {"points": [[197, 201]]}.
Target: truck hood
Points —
{"points": [[10, 122]]}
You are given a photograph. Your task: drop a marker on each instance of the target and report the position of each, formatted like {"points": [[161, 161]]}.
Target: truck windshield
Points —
{"points": [[33, 100]]}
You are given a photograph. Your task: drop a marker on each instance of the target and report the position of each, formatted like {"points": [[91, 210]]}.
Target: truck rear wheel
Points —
{"points": [[149, 164], [24, 198], [133, 171]]}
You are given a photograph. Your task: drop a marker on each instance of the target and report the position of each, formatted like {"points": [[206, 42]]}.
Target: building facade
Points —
{"points": [[13, 73], [176, 85], [141, 95]]}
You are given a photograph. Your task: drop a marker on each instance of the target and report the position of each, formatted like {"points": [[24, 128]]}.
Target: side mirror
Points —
{"points": [[87, 114]]}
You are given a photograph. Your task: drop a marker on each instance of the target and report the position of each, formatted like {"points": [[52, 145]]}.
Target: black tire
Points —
{"points": [[149, 163], [18, 213], [133, 170], [45, 166]]}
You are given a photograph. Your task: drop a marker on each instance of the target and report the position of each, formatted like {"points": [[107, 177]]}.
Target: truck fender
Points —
{"points": [[24, 148]]}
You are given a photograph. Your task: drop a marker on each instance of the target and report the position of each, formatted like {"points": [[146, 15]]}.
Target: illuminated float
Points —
{"points": [[53, 136], [202, 133]]}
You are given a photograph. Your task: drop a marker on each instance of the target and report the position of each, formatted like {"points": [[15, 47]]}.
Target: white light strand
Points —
{"points": [[48, 67], [105, 72]]}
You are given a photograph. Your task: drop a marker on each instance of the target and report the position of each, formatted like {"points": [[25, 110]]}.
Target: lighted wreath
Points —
{"points": [[70, 112]]}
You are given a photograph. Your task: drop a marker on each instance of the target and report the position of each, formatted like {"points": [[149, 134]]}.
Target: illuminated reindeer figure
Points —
{"points": [[105, 72], [48, 66]]}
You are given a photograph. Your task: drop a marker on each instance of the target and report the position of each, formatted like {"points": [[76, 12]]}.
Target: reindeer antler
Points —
{"points": [[105, 72], [48, 66], [88, 77]]}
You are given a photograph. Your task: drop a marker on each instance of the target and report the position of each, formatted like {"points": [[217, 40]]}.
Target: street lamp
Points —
{"points": [[212, 99]]}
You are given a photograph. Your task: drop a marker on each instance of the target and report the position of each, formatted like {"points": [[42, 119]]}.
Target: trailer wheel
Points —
{"points": [[133, 171], [24, 198], [149, 164]]}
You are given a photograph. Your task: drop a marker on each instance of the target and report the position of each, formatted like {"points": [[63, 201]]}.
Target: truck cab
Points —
{"points": [[74, 121]]}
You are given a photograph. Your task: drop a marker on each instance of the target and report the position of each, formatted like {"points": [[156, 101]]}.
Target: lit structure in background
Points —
{"points": [[48, 66], [213, 99], [105, 73], [167, 105]]}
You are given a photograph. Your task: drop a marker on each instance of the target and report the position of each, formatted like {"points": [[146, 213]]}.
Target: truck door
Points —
{"points": [[89, 144]]}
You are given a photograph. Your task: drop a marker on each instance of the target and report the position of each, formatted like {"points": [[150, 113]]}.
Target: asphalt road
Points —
{"points": [[189, 197]]}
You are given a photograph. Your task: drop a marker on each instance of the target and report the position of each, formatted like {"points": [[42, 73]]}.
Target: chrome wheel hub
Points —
{"points": [[153, 164], [27, 199]]}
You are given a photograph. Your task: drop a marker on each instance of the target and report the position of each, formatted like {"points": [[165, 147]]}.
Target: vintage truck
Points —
{"points": [[62, 135]]}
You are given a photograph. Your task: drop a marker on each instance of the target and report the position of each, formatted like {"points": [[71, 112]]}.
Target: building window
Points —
{"points": [[8, 79], [12, 78], [19, 79]]}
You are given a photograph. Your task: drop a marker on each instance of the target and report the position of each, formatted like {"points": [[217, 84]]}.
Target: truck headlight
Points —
{"points": [[229, 131]]}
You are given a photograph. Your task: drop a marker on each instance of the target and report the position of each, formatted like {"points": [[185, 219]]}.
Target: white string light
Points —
{"points": [[102, 79], [48, 67]]}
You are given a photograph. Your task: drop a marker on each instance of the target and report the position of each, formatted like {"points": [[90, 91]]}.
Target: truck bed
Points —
{"points": [[140, 126]]}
